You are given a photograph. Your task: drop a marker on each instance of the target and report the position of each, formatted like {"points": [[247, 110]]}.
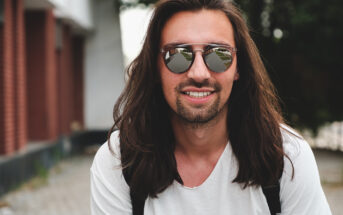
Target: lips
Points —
{"points": [[198, 96]]}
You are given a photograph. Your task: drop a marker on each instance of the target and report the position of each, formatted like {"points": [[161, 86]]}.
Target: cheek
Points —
{"points": [[226, 82], [169, 83], [168, 88], [168, 79]]}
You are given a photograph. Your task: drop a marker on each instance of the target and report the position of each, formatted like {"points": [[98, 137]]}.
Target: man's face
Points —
{"points": [[197, 95]]}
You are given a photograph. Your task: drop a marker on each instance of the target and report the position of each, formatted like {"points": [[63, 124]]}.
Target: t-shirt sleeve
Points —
{"points": [[109, 191], [303, 194]]}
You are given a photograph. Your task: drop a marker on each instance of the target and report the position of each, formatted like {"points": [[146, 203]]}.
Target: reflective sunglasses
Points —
{"points": [[179, 58]]}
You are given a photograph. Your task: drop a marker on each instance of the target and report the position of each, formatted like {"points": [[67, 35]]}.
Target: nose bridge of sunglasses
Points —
{"points": [[198, 50]]}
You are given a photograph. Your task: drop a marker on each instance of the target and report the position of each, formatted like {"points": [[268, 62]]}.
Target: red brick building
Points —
{"points": [[41, 75]]}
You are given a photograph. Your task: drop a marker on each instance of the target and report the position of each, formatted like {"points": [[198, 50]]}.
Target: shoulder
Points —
{"points": [[298, 154], [295, 146], [108, 154], [301, 191], [109, 191]]}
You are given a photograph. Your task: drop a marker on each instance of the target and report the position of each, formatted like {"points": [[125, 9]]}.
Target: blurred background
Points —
{"points": [[62, 68]]}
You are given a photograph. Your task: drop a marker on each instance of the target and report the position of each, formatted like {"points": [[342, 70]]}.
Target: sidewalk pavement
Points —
{"points": [[66, 190], [330, 165]]}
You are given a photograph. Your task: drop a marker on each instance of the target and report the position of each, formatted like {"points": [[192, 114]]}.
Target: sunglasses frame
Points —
{"points": [[206, 46]]}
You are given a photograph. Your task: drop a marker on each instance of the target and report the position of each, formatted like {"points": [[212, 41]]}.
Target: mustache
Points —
{"points": [[193, 83]]}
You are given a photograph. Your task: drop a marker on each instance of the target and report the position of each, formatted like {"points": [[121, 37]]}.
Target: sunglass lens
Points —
{"points": [[218, 59], [178, 60]]}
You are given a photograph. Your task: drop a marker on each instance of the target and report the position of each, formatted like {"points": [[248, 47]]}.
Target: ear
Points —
{"points": [[236, 77]]}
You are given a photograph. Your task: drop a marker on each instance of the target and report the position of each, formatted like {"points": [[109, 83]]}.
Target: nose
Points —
{"points": [[198, 71]]}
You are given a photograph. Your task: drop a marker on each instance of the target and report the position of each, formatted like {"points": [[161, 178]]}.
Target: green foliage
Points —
{"points": [[41, 170], [305, 64], [132, 3], [57, 155]]}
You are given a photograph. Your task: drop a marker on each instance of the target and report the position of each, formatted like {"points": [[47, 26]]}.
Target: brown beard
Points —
{"points": [[198, 119], [206, 114]]}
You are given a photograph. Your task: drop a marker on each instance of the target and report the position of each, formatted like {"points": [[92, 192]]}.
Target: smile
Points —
{"points": [[197, 94]]}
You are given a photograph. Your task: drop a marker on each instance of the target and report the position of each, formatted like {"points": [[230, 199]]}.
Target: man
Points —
{"points": [[199, 126]]}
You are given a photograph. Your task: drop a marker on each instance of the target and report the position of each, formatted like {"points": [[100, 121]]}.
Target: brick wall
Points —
{"points": [[52, 76], [12, 78], [42, 76], [41, 87], [7, 110], [65, 81], [19, 74]]}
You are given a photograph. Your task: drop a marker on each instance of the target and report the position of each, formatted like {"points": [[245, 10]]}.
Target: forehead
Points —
{"points": [[203, 26]]}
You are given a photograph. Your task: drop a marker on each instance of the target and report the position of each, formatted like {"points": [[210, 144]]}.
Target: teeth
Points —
{"points": [[198, 94]]}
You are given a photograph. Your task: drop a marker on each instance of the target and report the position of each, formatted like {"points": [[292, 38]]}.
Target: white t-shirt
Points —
{"points": [[217, 194]]}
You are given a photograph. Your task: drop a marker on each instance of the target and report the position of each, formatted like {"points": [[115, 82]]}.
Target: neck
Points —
{"points": [[200, 140]]}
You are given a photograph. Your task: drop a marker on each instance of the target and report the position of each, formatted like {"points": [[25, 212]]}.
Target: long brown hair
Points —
{"points": [[141, 112]]}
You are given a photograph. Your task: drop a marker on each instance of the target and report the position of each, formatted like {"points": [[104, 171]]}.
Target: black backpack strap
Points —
{"points": [[137, 202], [272, 194]]}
